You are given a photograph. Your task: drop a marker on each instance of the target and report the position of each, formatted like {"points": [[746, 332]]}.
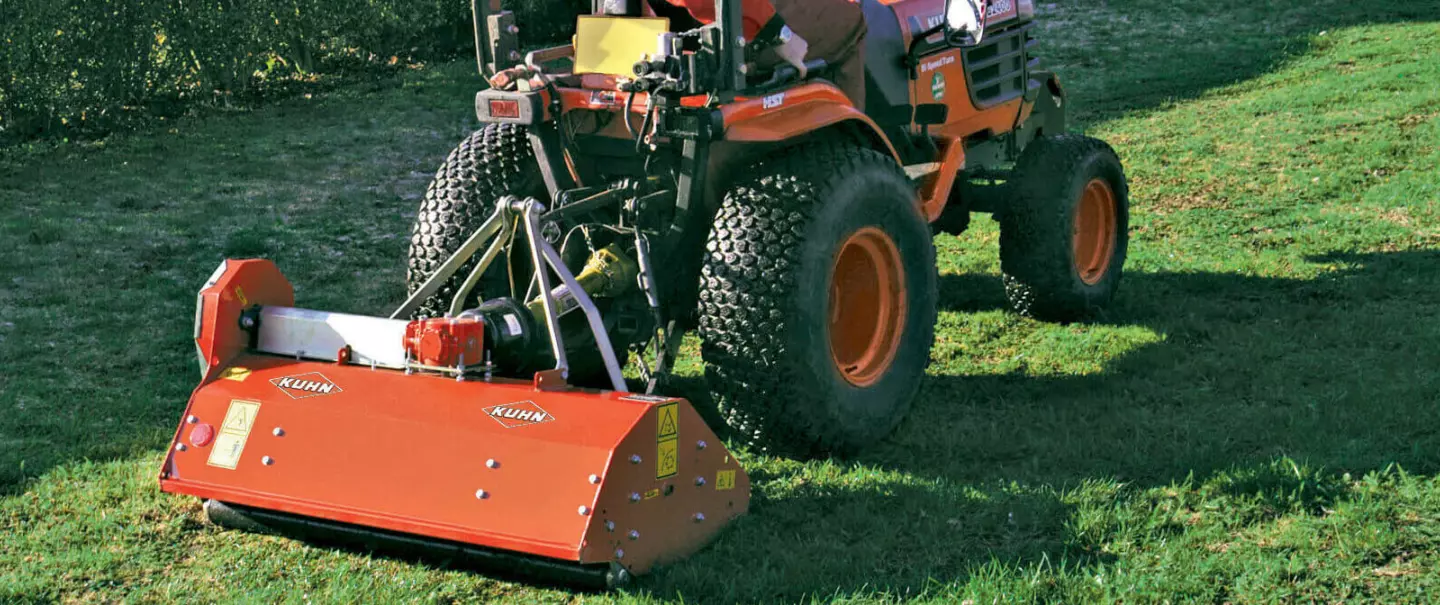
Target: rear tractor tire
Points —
{"points": [[1063, 238], [818, 301]]}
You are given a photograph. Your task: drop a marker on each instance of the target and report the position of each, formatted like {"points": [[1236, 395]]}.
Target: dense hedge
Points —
{"points": [[85, 66]]}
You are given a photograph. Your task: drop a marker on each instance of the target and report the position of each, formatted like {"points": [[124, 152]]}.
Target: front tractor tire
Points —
{"points": [[818, 301], [1063, 239]]}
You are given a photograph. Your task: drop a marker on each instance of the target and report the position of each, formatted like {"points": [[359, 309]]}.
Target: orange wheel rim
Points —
{"points": [[1094, 231], [867, 306]]}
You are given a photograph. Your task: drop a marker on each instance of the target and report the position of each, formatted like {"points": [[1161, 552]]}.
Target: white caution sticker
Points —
{"points": [[234, 431]]}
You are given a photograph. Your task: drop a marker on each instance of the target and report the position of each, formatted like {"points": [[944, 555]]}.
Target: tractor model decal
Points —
{"points": [[518, 414], [303, 386], [937, 86]]}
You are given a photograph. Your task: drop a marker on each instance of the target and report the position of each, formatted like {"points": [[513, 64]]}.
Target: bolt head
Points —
{"points": [[699, 517], [699, 481], [180, 447], [191, 419], [491, 463], [583, 510], [594, 479], [247, 322], [278, 432], [635, 459], [634, 496], [609, 526], [634, 534], [619, 553], [700, 445], [481, 494], [267, 461]]}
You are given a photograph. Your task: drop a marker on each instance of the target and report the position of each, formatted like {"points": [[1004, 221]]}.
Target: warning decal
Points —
{"points": [[667, 440], [724, 480], [238, 374], [669, 424], [234, 431], [667, 459]]}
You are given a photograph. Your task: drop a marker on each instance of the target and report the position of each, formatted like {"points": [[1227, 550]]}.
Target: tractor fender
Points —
{"points": [[792, 115], [1050, 104]]}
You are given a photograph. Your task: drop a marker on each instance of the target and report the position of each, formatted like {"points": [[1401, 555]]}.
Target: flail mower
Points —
{"points": [[638, 184]]}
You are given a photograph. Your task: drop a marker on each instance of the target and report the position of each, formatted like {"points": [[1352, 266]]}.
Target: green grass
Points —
{"points": [[1255, 420]]}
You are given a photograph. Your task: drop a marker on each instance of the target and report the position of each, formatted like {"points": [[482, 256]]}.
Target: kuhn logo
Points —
{"points": [[301, 386], [520, 413]]}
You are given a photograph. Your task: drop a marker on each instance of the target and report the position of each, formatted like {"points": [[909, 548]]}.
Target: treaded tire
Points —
{"points": [[765, 300], [493, 162], [1037, 232]]}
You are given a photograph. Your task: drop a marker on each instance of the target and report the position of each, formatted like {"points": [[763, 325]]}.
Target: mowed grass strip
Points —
{"points": [[1255, 419]]}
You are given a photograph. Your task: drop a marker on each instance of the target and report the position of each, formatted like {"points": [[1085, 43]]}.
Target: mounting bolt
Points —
{"points": [[634, 496], [699, 482], [594, 479], [512, 30], [634, 534], [619, 553], [700, 445], [699, 517], [635, 459], [267, 461], [491, 463], [278, 432], [247, 322], [191, 419], [515, 55], [481, 494], [609, 526], [584, 510], [180, 447]]}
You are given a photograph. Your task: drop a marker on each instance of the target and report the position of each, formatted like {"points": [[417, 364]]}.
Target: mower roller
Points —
{"points": [[639, 184]]}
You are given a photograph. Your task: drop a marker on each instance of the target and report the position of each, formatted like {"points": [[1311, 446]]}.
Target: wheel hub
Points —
{"points": [[1094, 231], [867, 306]]}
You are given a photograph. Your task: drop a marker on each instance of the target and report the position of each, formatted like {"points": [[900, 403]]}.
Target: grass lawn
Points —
{"points": [[1257, 419]]}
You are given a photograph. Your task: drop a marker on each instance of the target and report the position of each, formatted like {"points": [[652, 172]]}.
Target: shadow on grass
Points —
{"points": [[1338, 372]]}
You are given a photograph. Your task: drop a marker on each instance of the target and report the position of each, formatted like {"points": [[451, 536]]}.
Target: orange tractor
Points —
{"points": [[638, 184]]}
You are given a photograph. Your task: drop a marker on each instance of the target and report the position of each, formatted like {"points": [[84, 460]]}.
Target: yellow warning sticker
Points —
{"points": [[724, 480], [237, 374], [240, 295], [668, 424], [667, 440], [667, 458], [234, 431], [654, 493]]}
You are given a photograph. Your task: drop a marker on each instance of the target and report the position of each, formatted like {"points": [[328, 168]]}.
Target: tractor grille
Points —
{"points": [[997, 69]]}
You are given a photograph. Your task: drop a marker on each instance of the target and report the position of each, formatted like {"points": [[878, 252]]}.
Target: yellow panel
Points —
{"points": [[612, 45]]}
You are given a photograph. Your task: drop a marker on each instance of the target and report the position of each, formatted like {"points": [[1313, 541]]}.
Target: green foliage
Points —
{"points": [[83, 67]]}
